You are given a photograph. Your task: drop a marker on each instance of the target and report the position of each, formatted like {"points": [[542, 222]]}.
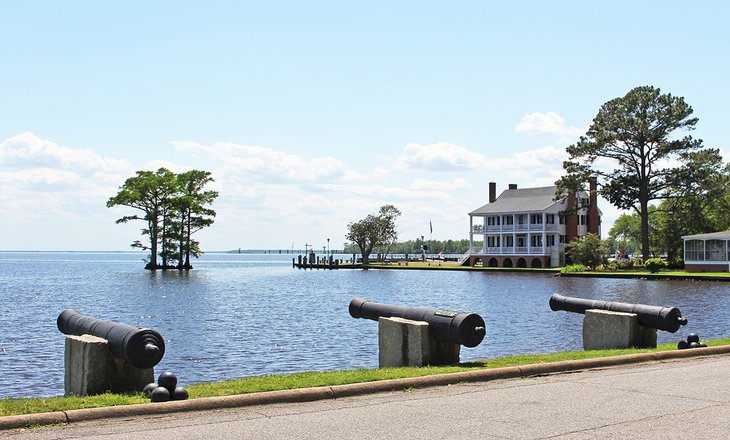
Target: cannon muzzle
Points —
{"points": [[661, 318], [467, 329], [141, 347]]}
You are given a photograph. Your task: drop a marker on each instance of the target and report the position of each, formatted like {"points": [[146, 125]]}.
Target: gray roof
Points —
{"points": [[724, 235], [520, 200]]}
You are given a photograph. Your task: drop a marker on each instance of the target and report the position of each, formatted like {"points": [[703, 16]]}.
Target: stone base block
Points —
{"points": [[406, 343], [604, 330], [90, 368]]}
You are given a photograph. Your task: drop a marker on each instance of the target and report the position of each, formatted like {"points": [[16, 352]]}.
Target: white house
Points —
{"points": [[706, 252], [527, 228]]}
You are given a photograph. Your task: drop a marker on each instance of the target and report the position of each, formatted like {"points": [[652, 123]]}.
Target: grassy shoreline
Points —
{"points": [[9, 407], [633, 273]]}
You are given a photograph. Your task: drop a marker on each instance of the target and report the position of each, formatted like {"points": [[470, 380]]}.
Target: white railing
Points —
{"points": [[463, 258]]}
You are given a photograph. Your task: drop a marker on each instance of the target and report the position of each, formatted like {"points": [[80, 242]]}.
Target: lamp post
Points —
{"points": [[328, 247], [423, 249]]}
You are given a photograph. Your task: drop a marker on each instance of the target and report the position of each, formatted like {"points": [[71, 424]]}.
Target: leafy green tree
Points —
{"points": [[374, 230], [637, 133], [625, 234], [587, 250], [193, 214], [172, 207], [693, 212], [148, 192]]}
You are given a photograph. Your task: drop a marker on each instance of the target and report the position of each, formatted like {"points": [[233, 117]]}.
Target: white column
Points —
{"points": [[544, 235]]}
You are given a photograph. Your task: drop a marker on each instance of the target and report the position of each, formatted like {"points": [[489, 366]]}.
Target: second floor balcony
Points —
{"points": [[513, 250]]}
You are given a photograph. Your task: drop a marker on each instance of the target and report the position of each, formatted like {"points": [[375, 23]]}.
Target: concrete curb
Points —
{"points": [[340, 391]]}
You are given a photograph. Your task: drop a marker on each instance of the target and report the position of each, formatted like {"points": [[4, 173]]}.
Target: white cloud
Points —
{"points": [[26, 150], [549, 123], [441, 156], [441, 185], [540, 167], [267, 163]]}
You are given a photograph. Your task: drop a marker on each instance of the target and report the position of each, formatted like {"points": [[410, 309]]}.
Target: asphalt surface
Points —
{"points": [[675, 396]]}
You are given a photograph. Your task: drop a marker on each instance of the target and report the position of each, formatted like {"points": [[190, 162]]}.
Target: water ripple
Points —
{"points": [[238, 315]]}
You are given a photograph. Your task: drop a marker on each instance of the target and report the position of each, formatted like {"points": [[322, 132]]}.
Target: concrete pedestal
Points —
{"points": [[91, 368], [604, 330], [406, 343]]}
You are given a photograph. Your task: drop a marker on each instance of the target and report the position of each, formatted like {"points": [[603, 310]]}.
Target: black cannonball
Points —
{"points": [[160, 394], [693, 337], [167, 380], [180, 393], [148, 389], [694, 345], [682, 345]]}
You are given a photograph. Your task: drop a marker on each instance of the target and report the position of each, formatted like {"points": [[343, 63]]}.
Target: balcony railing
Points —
{"points": [[480, 229], [512, 250]]}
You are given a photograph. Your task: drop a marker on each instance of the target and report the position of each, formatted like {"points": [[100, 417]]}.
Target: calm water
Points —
{"points": [[243, 315]]}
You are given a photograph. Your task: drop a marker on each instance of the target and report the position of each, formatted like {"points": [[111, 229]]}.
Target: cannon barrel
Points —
{"points": [[141, 347], [660, 318], [467, 329]]}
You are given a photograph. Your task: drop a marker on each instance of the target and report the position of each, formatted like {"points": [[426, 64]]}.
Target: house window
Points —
{"points": [[715, 250], [508, 241], [521, 241], [521, 219], [536, 240], [536, 219], [562, 239], [508, 220], [551, 240], [694, 250], [582, 219], [493, 241], [550, 219], [562, 219]]}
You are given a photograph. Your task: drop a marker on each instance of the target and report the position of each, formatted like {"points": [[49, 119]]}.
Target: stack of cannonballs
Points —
{"points": [[165, 389], [693, 341]]}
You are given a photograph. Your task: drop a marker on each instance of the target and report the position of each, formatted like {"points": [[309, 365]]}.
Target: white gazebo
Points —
{"points": [[707, 252]]}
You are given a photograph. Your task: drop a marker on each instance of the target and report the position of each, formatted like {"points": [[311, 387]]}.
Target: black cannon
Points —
{"points": [[141, 347], [467, 329], [661, 318]]}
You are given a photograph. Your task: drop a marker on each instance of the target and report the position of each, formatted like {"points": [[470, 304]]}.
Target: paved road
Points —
{"points": [[676, 399]]}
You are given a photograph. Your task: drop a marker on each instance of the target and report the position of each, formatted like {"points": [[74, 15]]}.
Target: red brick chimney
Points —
{"points": [[492, 192], [594, 220]]}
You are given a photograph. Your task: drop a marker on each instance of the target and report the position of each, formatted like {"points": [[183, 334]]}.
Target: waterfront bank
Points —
{"points": [[632, 274], [243, 315]]}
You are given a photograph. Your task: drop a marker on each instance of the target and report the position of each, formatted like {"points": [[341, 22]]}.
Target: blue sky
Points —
{"points": [[311, 115]]}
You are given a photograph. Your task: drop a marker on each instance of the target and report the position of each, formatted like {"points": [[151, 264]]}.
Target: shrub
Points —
{"points": [[573, 268], [676, 263], [588, 250], [654, 265]]}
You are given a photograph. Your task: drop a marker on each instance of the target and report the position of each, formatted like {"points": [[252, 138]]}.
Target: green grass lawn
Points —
{"points": [[309, 379], [639, 272], [451, 265], [681, 274]]}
